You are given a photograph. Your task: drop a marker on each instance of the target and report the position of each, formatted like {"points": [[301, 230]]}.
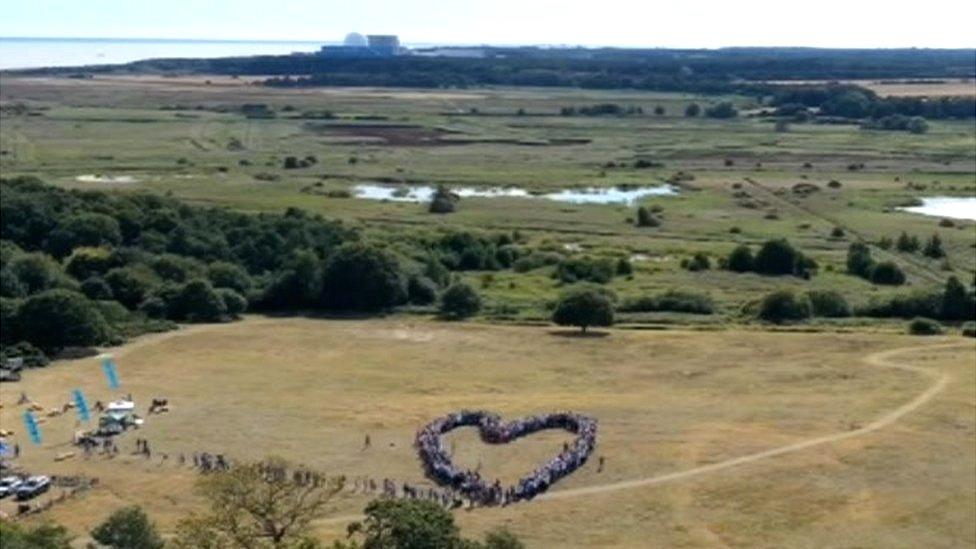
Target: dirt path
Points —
{"points": [[880, 359]]}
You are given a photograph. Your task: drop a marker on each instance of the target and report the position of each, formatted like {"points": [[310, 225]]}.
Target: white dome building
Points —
{"points": [[355, 40]]}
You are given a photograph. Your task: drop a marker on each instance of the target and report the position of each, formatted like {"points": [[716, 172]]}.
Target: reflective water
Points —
{"points": [[590, 195], [953, 207]]}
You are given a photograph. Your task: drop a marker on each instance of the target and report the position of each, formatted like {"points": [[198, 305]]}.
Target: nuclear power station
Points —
{"points": [[356, 45]]}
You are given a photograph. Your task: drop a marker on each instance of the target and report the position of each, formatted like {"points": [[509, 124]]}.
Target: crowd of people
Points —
{"points": [[440, 468]]}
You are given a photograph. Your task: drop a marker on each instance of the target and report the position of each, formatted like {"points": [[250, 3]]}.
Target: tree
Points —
{"points": [[957, 303], [256, 505], [84, 229], [407, 524], [44, 536], [659, 110], [888, 273], [692, 110], [224, 274], [56, 319], [443, 201], [363, 277], [502, 539], [584, 307], [96, 288], [86, 261], [783, 306], [422, 290], [724, 109], [859, 261], [906, 243], [917, 125], [459, 301], [128, 528], [234, 303], [197, 301], [131, 285], [933, 248], [36, 272], [777, 257], [298, 285], [646, 219], [829, 304], [740, 260]]}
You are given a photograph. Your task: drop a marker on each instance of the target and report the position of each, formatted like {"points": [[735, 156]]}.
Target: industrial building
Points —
{"points": [[356, 45]]}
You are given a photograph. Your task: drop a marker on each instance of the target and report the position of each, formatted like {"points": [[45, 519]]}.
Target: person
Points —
{"points": [[367, 442], [599, 468], [16, 450]]}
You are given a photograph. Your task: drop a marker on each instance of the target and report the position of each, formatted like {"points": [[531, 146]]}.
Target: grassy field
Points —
{"points": [[666, 401], [187, 137]]}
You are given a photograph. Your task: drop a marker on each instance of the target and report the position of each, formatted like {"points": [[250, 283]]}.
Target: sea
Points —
{"points": [[22, 53]]}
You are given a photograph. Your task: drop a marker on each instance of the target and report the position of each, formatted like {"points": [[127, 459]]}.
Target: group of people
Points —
{"points": [[437, 461]]}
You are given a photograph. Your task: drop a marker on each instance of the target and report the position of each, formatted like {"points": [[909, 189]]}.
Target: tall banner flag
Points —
{"points": [[32, 428], [111, 373], [81, 405]]}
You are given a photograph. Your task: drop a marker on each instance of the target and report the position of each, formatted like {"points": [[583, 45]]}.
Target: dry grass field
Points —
{"points": [[667, 402]]}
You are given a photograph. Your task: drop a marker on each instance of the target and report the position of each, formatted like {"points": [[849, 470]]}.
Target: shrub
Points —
{"points": [[131, 285], [933, 248], [234, 303], [422, 290], [224, 274], [859, 261], [87, 261], [679, 301], [918, 125], [957, 303], [197, 301], [362, 277], [646, 219], [698, 262], [888, 273], [779, 257], [459, 301], [35, 272], [828, 303], [740, 260], [969, 329], [916, 303], [907, 243], [9, 308], [583, 307], [722, 110], [692, 110], [784, 306], [443, 201], [55, 319], [96, 288], [128, 528], [624, 267], [924, 326], [575, 269], [535, 260]]}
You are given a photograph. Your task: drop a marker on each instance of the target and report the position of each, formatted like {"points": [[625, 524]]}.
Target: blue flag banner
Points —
{"points": [[111, 373], [81, 405], [32, 428]]}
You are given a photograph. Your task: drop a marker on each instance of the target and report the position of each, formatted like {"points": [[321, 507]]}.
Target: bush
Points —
{"points": [[933, 248], [131, 285], [234, 303], [888, 273], [86, 262], [97, 289], [128, 528], [583, 307], [829, 304], [698, 262], [535, 260], [9, 307], [692, 110], [575, 269], [646, 219], [459, 301], [783, 306], [55, 319], [443, 201], [224, 274], [917, 303], [197, 301], [859, 261], [957, 303], [679, 301], [924, 327], [362, 277], [740, 260], [918, 125], [35, 272], [779, 257], [908, 244], [969, 329], [422, 290], [722, 110]]}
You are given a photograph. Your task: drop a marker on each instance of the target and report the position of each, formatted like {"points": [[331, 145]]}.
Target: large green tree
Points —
{"points": [[363, 277], [128, 528], [55, 319], [584, 307]]}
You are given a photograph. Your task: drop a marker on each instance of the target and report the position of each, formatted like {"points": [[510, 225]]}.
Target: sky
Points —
{"points": [[624, 23]]}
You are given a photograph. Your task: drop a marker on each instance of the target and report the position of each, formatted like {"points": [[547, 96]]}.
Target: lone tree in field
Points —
{"points": [[584, 307], [443, 201], [259, 504]]}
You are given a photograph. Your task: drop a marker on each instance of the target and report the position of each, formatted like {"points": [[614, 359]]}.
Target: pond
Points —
{"points": [[953, 207], [588, 195]]}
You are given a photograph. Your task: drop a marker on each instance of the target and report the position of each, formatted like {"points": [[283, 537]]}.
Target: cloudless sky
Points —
{"points": [[629, 23]]}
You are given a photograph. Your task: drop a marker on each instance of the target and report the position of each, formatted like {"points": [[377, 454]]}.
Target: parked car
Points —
{"points": [[33, 487], [9, 485]]}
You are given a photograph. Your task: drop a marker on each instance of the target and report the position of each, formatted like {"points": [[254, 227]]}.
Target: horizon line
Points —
{"points": [[469, 45]]}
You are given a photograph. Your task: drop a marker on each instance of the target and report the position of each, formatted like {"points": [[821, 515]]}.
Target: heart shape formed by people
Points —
{"points": [[440, 468]]}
